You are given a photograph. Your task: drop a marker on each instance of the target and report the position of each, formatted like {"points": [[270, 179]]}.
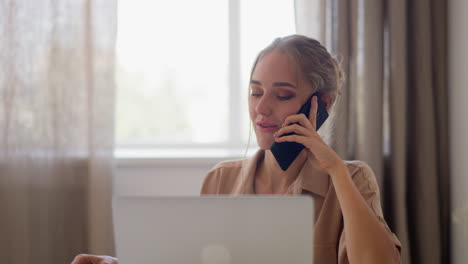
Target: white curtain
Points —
{"points": [[56, 129]]}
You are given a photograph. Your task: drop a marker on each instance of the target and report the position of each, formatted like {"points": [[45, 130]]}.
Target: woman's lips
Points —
{"points": [[263, 126]]}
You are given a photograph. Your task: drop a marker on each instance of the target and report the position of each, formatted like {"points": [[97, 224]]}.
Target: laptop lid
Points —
{"points": [[214, 229]]}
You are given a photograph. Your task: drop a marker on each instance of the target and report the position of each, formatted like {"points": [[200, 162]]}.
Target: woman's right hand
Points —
{"points": [[93, 259]]}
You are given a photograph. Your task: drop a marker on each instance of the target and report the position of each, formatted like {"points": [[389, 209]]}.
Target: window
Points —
{"points": [[183, 67]]}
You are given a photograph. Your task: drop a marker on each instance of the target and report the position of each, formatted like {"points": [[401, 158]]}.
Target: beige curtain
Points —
{"points": [[393, 112], [56, 129]]}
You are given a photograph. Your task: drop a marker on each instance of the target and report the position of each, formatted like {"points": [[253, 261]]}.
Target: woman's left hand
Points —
{"points": [[320, 153]]}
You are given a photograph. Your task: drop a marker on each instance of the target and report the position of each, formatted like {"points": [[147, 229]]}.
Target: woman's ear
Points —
{"points": [[328, 99]]}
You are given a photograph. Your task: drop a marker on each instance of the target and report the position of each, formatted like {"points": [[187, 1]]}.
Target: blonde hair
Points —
{"points": [[315, 63]]}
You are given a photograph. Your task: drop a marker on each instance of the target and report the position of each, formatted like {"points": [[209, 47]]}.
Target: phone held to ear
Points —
{"points": [[286, 152]]}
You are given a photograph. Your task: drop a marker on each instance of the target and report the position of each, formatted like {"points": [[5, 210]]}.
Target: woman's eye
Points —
{"points": [[285, 97], [256, 94]]}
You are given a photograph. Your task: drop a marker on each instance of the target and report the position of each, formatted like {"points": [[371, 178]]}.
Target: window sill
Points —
{"points": [[193, 157]]}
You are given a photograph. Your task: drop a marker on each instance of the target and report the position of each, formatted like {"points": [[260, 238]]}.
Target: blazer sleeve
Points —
{"points": [[366, 182], [210, 185]]}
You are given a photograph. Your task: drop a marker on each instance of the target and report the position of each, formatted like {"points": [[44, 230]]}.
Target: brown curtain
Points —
{"points": [[56, 129], [393, 110]]}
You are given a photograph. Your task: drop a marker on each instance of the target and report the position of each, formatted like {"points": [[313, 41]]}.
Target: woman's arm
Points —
{"points": [[367, 241], [366, 238]]}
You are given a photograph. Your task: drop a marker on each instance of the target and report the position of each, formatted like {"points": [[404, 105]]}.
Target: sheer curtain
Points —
{"points": [[393, 111], [56, 129]]}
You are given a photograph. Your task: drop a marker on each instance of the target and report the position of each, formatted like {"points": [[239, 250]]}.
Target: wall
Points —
{"points": [[458, 103], [161, 177]]}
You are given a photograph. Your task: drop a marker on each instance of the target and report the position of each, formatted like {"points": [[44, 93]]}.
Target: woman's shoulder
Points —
{"points": [[357, 166], [222, 177], [229, 165], [362, 174]]}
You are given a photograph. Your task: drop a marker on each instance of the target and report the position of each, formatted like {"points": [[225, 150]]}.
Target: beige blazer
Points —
{"points": [[237, 178]]}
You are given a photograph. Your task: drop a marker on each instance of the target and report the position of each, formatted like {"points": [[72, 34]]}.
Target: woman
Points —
{"points": [[349, 226]]}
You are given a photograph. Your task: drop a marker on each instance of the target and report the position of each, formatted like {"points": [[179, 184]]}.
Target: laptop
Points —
{"points": [[214, 229]]}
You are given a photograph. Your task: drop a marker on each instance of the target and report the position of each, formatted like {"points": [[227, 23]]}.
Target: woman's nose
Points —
{"points": [[264, 106]]}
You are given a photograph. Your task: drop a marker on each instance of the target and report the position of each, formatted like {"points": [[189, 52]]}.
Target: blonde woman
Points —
{"points": [[349, 225]]}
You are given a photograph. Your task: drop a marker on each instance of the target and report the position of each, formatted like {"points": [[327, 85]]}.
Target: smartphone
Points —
{"points": [[286, 152]]}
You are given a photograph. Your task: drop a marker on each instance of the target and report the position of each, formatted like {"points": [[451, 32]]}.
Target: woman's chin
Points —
{"points": [[265, 144]]}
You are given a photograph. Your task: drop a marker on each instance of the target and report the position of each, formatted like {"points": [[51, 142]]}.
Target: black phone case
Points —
{"points": [[286, 152]]}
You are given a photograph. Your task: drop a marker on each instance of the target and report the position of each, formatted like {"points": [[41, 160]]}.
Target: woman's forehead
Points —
{"points": [[277, 66]]}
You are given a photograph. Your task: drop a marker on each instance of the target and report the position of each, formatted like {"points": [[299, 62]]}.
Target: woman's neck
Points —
{"points": [[270, 178]]}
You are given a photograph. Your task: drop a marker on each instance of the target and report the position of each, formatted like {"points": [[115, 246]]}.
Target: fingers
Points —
{"points": [[82, 259], [303, 127], [298, 129], [294, 138], [299, 118], [313, 111], [92, 259], [108, 260]]}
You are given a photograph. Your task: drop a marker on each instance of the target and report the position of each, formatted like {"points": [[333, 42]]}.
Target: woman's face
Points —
{"points": [[275, 93]]}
